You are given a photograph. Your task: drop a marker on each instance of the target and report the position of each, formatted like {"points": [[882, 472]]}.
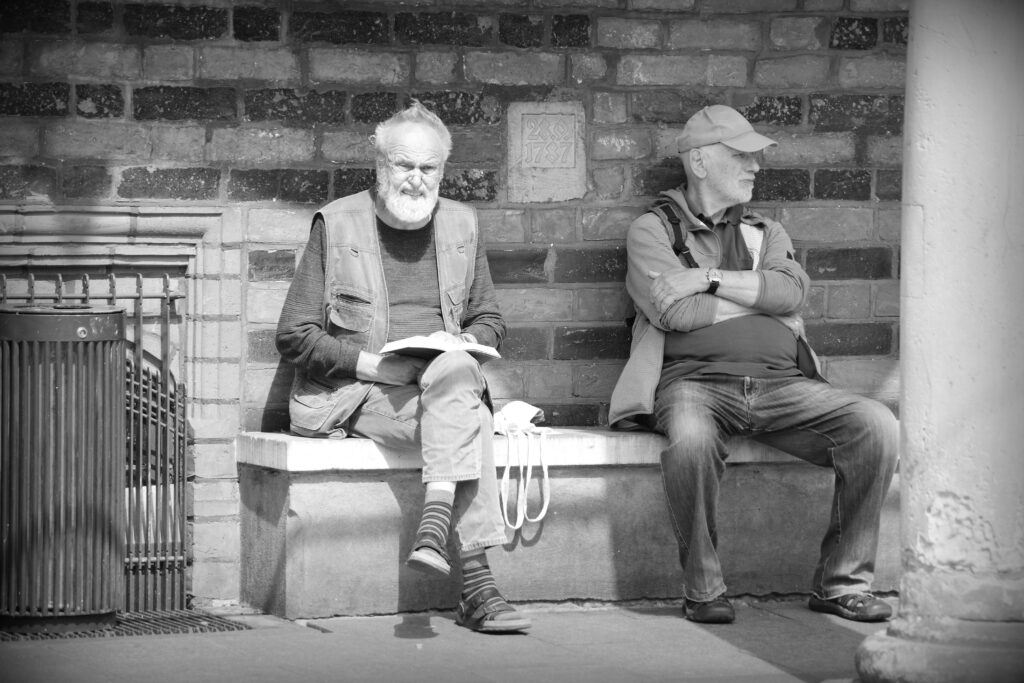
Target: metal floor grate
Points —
{"points": [[144, 624]]}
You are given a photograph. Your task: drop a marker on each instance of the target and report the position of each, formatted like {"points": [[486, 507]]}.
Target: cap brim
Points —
{"points": [[749, 142]]}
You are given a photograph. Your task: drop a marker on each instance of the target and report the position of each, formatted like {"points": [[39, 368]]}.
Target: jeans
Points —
{"points": [[445, 417], [855, 436]]}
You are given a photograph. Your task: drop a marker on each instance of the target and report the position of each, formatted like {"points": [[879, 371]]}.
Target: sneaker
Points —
{"points": [[715, 611], [853, 606]]}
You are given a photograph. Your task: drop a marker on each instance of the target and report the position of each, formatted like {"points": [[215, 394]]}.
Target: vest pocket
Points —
{"points": [[350, 310], [311, 404]]}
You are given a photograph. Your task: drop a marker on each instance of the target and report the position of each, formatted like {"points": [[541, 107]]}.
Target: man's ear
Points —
{"points": [[697, 163]]}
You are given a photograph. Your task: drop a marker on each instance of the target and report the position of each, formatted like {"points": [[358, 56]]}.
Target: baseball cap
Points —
{"points": [[719, 123]]}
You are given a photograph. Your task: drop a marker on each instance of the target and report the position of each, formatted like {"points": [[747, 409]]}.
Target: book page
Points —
{"points": [[428, 347]]}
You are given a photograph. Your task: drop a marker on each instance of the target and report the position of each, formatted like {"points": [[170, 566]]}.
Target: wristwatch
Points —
{"points": [[714, 279]]}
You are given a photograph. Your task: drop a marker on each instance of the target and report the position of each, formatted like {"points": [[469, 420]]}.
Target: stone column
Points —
{"points": [[961, 614]]}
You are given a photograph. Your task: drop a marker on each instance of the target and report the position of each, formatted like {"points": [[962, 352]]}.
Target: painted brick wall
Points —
{"points": [[264, 107]]}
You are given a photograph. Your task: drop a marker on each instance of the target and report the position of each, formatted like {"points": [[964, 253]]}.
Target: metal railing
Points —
{"points": [[158, 552]]}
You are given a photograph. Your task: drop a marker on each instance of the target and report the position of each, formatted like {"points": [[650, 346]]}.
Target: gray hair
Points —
{"points": [[414, 113]]}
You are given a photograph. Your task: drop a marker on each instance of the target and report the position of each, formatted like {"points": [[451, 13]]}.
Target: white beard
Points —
{"points": [[406, 208]]}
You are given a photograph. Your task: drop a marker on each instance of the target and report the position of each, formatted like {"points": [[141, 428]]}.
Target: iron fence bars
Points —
{"points": [[155, 440]]}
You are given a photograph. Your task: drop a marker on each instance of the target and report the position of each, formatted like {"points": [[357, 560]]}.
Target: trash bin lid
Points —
{"points": [[61, 322]]}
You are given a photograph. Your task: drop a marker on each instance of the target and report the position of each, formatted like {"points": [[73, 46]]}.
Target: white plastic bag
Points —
{"points": [[523, 439]]}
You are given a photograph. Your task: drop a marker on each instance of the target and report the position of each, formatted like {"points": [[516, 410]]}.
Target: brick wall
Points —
{"points": [[262, 108]]}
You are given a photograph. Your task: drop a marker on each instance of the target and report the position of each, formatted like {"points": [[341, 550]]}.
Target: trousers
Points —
{"points": [[856, 437], [445, 417]]}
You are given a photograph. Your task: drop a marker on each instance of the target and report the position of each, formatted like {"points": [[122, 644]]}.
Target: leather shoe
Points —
{"points": [[853, 606], [715, 611]]}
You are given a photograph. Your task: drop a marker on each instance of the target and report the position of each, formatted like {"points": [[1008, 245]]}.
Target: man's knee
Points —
{"points": [[878, 424], [694, 443], [453, 366]]}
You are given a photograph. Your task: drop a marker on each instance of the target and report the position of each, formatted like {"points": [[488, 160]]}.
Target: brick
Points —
{"points": [[98, 140], [889, 225], [588, 67], [573, 414], [99, 101], [461, 108], [172, 103], [515, 68], [620, 144], [168, 62], [549, 381], [261, 146], [889, 185], [745, 6], [595, 380], [178, 142], [169, 183], [623, 33], [103, 62], [589, 4], [535, 304], [659, 106], [18, 139], [653, 69], [814, 307], [885, 150], [517, 266], [553, 225], [526, 343], [216, 540], [663, 176], [714, 34], [248, 63], [11, 56], [873, 71], [791, 72], [880, 113], [842, 184], [352, 180], [346, 146], [256, 23], [850, 339], [591, 343], [796, 33], [35, 16], [215, 460], [377, 69], [887, 299], [179, 23], [854, 33], [894, 30], [373, 107], [823, 5], [86, 182], [804, 150], [570, 30], [436, 67], [590, 265], [820, 224], [609, 182], [879, 5], [442, 28], [289, 106], [19, 182], [727, 70], [778, 184], [339, 27], [609, 223], [261, 346], [278, 226], [862, 263], [505, 380], [274, 264], [850, 301], [94, 17], [518, 30], [670, 5], [502, 225], [286, 185], [609, 107], [470, 185], [603, 304], [34, 99]]}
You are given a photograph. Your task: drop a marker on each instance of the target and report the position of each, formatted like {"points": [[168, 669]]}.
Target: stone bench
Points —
{"points": [[326, 525]]}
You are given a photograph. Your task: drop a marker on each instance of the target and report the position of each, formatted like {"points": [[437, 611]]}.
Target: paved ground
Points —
{"points": [[771, 641]]}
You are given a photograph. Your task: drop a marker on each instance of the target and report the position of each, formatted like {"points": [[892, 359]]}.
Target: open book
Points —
{"points": [[428, 347]]}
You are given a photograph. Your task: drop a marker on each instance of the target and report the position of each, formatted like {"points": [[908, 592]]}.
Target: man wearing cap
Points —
{"points": [[719, 350]]}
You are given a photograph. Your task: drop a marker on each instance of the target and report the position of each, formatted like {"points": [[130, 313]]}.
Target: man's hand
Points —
{"points": [[668, 288], [389, 369]]}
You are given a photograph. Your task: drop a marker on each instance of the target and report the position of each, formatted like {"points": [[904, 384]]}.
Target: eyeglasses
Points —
{"points": [[403, 168]]}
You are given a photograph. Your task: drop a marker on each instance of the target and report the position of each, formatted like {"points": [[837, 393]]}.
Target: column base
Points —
{"points": [[943, 651]]}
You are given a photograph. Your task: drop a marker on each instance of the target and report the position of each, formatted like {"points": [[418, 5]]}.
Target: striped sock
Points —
{"points": [[436, 521], [476, 576]]}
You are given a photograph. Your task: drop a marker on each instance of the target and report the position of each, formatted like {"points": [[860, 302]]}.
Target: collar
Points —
{"points": [[733, 215]]}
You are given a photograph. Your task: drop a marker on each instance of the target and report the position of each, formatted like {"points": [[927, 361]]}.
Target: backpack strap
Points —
{"points": [[665, 209]]}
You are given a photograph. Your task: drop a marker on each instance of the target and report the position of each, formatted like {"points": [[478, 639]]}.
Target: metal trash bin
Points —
{"points": [[62, 466]]}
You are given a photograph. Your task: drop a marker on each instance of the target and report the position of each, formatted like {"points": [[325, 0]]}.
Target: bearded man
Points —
{"points": [[387, 264]]}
